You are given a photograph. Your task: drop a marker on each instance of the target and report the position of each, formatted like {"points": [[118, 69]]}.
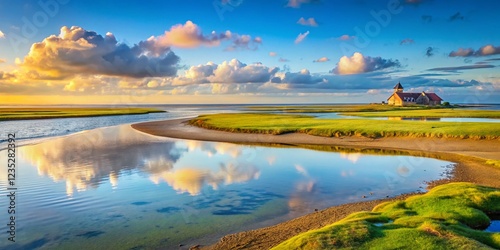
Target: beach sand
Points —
{"points": [[470, 155]]}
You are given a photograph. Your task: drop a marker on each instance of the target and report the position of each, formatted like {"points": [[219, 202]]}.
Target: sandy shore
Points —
{"points": [[469, 154]]}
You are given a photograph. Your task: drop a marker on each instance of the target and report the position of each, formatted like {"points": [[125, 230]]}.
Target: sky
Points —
{"points": [[247, 51]]}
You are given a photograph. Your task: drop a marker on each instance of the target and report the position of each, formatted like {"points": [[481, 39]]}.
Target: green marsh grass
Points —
{"points": [[338, 108], [430, 113], [447, 217], [280, 124], [44, 113]]}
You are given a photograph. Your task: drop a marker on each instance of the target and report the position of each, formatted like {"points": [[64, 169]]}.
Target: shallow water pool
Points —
{"points": [[118, 188]]}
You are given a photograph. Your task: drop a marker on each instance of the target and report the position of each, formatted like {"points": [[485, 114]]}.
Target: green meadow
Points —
{"points": [[449, 216], [338, 108], [280, 123], [430, 113], [43, 113]]}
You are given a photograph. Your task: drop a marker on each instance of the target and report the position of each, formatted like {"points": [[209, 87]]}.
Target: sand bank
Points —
{"points": [[470, 155]]}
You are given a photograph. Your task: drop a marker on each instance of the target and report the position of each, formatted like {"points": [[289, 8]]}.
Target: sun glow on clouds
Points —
{"points": [[75, 62], [362, 64]]}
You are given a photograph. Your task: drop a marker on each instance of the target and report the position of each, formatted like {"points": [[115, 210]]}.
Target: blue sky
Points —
{"points": [[350, 51]]}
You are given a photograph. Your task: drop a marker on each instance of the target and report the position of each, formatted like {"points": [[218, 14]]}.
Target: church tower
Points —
{"points": [[398, 88]]}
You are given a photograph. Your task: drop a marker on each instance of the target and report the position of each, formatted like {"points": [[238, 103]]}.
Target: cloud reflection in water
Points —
{"points": [[90, 158]]}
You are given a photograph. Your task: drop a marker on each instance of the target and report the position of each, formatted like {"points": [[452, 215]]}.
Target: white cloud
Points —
{"points": [[2, 35], [346, 37], [273, 53], [322, 59], [462, 52], [301, 37], [301, 77], [307, 22], [187, 35], [190, 35], [362, 64], [232, 71], [483, 51]]}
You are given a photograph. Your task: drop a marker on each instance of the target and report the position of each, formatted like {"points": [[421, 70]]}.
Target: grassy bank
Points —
{"points": [[280, 124], [338, 108], [44, 113], [447, 217], [431, 113]]}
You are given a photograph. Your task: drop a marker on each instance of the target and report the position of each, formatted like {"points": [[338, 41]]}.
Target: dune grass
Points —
{"points": [[447, 217], [44, 113], [430, 113], [280, 124]]}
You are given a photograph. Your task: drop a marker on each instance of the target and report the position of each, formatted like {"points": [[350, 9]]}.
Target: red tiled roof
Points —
{"points": [[432, 96]]}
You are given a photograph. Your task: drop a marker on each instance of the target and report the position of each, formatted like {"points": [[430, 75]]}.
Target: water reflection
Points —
{"points": [[114, 182], [192, 180], [87, 159]]}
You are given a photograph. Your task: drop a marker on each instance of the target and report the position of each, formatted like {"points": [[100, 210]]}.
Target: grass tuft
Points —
{"points": [[447, 217]]}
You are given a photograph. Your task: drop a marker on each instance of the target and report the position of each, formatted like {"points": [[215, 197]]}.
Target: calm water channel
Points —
{"points": [[115, 187]]}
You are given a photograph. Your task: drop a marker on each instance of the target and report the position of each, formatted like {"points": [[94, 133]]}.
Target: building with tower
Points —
{"points": [[400, 98]]}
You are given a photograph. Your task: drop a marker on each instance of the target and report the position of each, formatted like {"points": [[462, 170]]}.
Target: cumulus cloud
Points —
{"points": [[190, 35], [2, 35], [78, 51], [273, 53], [301, 77], [232, 71], [362, 64], [346, 37], [322, 59], [301, 37], [488, 50], [406, 41], [283, 60], [307, 22], [483, 51]]}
